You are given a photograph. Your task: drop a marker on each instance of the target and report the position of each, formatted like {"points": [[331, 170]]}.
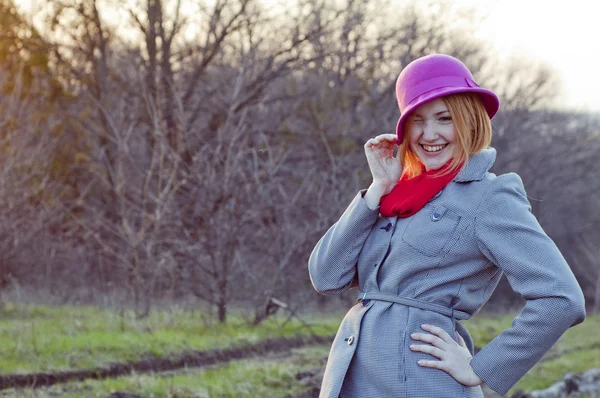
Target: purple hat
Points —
{"points": [[435, 76]]}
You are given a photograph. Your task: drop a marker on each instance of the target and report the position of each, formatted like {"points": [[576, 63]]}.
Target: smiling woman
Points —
{"points": [[427, 248], [431, 134], [440, 131]]}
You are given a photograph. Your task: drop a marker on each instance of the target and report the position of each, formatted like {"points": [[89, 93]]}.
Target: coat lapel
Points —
{"points": [[477, 165]]}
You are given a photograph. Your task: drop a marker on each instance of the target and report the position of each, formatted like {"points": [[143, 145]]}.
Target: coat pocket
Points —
{"points": [[429, 231]]}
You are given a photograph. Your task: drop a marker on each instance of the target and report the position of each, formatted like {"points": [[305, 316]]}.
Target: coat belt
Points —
{"points": [[424, 305]]}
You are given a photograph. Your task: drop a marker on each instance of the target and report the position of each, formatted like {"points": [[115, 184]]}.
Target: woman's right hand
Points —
{"points": [[385, 168]]}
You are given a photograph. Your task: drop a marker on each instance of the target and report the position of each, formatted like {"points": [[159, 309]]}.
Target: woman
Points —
{"points": [[427, 250]]}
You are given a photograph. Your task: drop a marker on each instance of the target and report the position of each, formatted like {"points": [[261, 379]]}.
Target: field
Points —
{"points": [[279, 358]]}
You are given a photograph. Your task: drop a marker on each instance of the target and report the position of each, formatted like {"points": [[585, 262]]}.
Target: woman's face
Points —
{"points": [[431, 134]]}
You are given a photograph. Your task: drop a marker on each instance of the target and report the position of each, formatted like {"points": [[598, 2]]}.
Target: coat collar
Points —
{"points": [[477, 165]]}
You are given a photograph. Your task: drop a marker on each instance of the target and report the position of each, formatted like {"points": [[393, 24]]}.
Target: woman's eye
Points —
{"points": [[445, 119], [417, 120]]}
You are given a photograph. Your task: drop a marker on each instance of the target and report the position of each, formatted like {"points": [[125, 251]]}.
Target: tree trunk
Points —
{"points": [[222, 311], [596, 308]]}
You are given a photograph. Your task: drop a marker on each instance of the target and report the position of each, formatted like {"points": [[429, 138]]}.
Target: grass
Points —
{"points": [[576, 351], [483, 328], [270, 377], [37, 338]]}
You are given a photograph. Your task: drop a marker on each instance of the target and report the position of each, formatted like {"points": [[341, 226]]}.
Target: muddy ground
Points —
{"points": [[198, 359], [195, 359]]}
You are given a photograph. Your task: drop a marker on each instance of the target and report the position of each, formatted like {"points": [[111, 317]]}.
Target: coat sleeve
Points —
{"points": [[510, 236], [332, 263]]}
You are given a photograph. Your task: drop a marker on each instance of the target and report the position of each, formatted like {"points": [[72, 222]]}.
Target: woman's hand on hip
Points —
{"points": [[385, 168], [455, 358]]}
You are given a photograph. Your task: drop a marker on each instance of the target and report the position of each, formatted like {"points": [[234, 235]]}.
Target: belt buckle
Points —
{"points": [[363, 301]]}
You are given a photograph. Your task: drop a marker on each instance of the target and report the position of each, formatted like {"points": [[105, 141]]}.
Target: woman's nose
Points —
{"points": [[429, 130]]}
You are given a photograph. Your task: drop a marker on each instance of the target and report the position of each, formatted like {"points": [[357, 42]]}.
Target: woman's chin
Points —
{"points": [[432, 166]]}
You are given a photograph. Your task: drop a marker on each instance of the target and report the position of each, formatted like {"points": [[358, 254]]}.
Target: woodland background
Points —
{"points": [[158, 151]]}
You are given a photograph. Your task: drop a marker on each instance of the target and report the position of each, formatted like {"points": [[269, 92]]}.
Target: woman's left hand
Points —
{"points": [[455, 358]]}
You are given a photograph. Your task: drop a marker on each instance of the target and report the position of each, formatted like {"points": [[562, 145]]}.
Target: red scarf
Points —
{"points": [[411, 194]]}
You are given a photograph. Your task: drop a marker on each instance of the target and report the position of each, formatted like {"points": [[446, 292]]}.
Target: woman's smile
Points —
{"points": [[433, 149]]}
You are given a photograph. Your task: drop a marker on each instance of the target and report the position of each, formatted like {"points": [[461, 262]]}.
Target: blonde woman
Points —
{"points": [[426, 245]]}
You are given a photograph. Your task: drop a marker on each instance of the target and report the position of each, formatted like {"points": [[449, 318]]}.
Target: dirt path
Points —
{"points": [[179, 361]]}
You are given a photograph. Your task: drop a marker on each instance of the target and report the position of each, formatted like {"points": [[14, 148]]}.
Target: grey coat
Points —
{"points": [[442, 264]]}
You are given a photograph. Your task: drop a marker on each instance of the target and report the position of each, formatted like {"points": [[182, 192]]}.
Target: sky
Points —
{"points": [[563, 34]]}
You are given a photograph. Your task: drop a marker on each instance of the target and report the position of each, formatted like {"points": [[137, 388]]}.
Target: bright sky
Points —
{"points": [[565, 34]]}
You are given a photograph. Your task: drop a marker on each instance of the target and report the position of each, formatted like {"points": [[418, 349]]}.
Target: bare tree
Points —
{"points": [[29, 189], [211, 148]]}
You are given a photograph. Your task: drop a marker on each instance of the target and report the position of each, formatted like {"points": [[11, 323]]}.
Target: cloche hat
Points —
{"points": [[434, 76]]}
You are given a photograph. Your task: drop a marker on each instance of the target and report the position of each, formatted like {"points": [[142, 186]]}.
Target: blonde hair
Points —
{"points": [[473, 129]]}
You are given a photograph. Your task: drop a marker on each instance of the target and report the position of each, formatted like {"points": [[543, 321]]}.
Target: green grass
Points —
{"points": [[270, 377], [37, 338], [483, 328], [576, 351]]}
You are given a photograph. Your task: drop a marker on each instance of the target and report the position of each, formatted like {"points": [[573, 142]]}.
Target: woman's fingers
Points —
{"points": [[388, 140], [431, 364], [387, 137], [454, 357], [428, 338], [371, 143], [428, 349], [385, 167], [441, 333]]}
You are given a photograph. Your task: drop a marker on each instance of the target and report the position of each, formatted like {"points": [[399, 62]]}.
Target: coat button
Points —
{"points": [[387, 227], [350, 340]]}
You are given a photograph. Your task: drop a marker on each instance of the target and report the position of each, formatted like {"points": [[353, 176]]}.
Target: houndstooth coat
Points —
{"points": [[440, 266]]}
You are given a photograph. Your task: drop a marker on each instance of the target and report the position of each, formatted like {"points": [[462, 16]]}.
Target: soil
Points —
{"points": [[183, 360]]}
